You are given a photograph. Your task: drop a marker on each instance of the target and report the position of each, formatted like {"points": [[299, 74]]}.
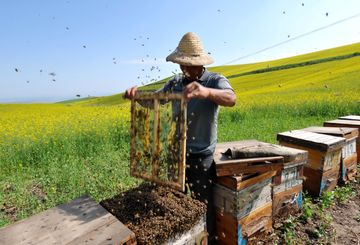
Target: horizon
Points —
{"points": [[60, 50]]}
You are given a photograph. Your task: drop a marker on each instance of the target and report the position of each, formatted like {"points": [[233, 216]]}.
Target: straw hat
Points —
{"points": [[190, 52]]}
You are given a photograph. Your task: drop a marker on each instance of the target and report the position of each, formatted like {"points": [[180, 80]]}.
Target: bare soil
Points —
{"points": [[339, 224], [155, 213], [346, 219]]}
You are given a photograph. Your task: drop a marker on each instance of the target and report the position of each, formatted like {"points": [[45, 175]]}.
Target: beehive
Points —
{"points": [[243, 206], [348, 124], [322, 170], [82, 221], [348, 167], [243, 191]]}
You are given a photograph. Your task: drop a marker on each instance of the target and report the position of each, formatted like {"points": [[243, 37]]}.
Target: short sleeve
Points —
{"points": [[167, 87], [220, 82]]}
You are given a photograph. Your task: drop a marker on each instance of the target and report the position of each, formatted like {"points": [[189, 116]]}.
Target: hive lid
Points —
{"points": [[254, 148], [343, 123], [351, 117], [312, 140], [345, 132]]}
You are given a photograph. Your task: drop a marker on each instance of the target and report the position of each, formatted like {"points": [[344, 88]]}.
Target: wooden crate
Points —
{"points": [[324, 158], [349, 160], [230, 230], [81, 221], [348, 124]]}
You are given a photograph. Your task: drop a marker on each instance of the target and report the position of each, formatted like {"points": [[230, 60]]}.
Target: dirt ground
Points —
{"points": [[346, 220], [338, 224]]}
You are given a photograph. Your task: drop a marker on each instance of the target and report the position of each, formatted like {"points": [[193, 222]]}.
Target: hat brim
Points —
{"points": [[198, 60]]}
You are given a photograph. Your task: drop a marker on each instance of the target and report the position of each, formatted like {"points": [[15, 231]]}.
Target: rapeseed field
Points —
{"points": [[53, 153]]}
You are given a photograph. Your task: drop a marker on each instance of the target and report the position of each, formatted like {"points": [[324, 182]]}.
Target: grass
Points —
{"points": [[51, 154]]}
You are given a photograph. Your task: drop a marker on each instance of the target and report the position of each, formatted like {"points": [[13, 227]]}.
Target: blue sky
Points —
{"points": [[103, 47]]}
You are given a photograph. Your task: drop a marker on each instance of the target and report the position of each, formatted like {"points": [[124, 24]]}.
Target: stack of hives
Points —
{"points": [[350, 122], [348, 163], [322, 171], [255, 181]]}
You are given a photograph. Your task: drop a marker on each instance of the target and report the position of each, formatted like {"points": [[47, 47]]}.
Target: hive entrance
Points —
{"points": [[158, 138]]}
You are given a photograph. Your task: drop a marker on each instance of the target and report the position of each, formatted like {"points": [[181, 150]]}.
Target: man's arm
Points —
{"points": [[222, 97]]}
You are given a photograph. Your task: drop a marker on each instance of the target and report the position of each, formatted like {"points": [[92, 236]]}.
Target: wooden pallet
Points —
{"points": [[153, 101], [349, 124], [81, 221], [348, 154], [230, 230]]}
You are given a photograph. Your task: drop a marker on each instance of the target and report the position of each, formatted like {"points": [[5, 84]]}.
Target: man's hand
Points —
{"points": [[130, 93], [196, 90]]}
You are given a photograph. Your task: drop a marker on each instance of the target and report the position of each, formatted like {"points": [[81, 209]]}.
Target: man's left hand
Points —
{"points": [[196, 90]]}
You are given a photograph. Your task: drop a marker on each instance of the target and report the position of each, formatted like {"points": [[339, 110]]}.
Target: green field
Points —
{"points": [[50, 154]]}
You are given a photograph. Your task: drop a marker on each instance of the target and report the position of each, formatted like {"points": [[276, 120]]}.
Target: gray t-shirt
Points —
{"points": [[201, 113]]}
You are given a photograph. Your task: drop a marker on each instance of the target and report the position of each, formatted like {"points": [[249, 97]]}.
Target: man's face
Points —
{"points": [[192, 73]]}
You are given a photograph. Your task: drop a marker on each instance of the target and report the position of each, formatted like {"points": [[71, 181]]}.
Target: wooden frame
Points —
{"points": [[155, 100]]}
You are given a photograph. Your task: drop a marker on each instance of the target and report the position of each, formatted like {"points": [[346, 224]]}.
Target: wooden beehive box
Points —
{"points": [[348, 124], [244, 186], [158, 138], [81, 221], [243, 206], [348, 168], [322, 170]]}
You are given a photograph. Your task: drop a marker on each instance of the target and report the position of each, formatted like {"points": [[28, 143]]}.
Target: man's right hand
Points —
{"points": [[130, 93]]}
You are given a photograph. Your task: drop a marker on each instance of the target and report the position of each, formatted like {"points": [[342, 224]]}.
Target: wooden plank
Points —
{"points": [[237, 182], [349, 149], [183, 133], [158, 96], [289, 199], [290, 155], [350, 117], [247, 166], [156, 143], [312, 140], [319, 160], [78, 222], [317, 182], [348, 169], [344, 132], [287, 185]]}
